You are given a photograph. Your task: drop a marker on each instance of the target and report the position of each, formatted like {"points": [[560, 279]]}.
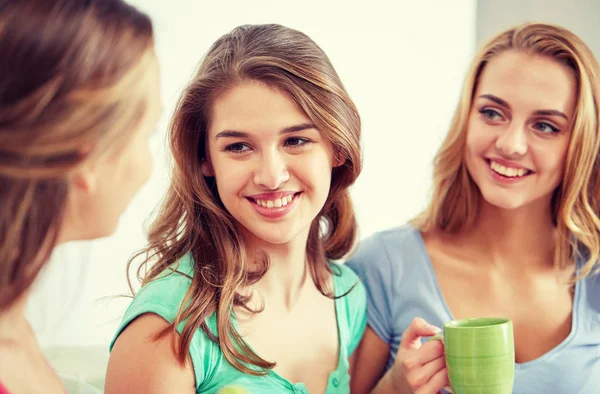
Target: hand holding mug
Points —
{"points": [[419, 369]]}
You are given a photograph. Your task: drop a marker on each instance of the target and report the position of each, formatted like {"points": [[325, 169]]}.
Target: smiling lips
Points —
{"points": [[277, 203], [274, 205], [508, 171]]}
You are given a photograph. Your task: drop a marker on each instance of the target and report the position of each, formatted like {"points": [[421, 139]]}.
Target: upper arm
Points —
{"points": [[367, 363], [375, 269], [139, 363]]}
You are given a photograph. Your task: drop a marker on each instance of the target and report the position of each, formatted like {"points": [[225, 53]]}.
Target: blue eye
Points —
{"points": [[238, 147], [296, 141], [545, 127], [490, 113]]}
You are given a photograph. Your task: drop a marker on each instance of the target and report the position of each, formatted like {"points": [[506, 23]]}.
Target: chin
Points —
{"points": [[274, 236], [280, 239], [503, 202], [275, 241]]}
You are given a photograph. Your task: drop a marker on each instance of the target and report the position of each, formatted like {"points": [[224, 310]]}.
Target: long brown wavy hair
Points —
{"points": [[576, 202], [192, 218], [68, 76]]}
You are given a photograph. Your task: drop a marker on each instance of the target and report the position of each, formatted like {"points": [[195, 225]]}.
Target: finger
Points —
{"points": [[428, 352], [422, 375], [411, 339], [417, 358], [435, 384]]}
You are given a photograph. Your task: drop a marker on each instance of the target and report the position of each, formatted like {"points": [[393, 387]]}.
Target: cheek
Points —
{"points": [[550, 155], [231, 176], [551, 165], [314, 169], [478, 138], [140, 166], [147, 164]]}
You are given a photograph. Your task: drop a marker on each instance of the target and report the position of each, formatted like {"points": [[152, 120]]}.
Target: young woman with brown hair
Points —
{"points": [[242, 291]]}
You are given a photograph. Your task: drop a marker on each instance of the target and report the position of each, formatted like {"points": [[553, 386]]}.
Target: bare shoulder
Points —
{"points": [[435, 239], [443, 246], [141, 363], [435, 244]]}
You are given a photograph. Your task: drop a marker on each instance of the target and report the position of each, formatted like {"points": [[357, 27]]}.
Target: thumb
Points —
{"points": [[411, 339]]}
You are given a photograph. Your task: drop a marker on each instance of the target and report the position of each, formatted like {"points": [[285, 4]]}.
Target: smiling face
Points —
{"points": [[272, 166], [519, 129]]}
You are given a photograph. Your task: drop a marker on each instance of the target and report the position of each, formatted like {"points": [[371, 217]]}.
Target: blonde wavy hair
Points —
{"points": [[576, 201]]}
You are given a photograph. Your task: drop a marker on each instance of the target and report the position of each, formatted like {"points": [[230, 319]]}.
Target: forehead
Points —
{"points": [[529, 81], [254, 107]]}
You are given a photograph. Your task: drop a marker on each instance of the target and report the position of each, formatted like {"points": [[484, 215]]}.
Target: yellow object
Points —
{"points": [[233, 390]]}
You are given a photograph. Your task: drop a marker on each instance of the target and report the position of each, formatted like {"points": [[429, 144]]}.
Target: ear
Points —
{"points": [[207, 168], [84, 180], [339, 158]]}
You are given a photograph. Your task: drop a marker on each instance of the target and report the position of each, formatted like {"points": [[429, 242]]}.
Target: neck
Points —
{"points": [[287, 274], [522, 237], [13, 324]]}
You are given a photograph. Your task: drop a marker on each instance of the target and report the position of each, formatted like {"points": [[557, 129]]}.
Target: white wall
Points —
{"points": [[579, 16], [402, 62]]}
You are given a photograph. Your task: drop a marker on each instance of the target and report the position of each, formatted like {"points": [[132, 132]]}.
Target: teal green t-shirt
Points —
{"points": [[164, 296]]}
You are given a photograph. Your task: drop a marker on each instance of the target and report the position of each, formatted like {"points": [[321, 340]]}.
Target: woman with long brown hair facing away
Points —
{"points": [[512, 230], [79, 96], [241, 292]]}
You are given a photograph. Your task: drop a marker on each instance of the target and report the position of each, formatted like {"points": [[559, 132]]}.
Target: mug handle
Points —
{"points": [[440, 337], [437, 337]]}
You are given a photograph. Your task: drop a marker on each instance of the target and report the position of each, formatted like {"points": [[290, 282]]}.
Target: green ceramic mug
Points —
{"points": [[480, 355]]}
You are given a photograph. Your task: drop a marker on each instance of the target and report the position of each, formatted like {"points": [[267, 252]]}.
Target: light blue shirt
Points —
{"points": [[401, 285]]}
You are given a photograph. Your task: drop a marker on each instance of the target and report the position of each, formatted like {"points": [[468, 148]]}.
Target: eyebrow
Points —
{"points": [[551, 112], [286, 130], [541, 112]]}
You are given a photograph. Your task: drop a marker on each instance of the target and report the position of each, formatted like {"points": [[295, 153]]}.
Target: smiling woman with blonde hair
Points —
{"points": [[512, 229]]}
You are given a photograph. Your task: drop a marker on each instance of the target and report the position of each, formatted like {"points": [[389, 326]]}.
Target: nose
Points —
{"points": [[271, 171], [513, 141]]}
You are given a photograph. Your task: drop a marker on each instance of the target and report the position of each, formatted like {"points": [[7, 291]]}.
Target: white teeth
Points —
{"points": [[278, 203], [507, 171]]}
